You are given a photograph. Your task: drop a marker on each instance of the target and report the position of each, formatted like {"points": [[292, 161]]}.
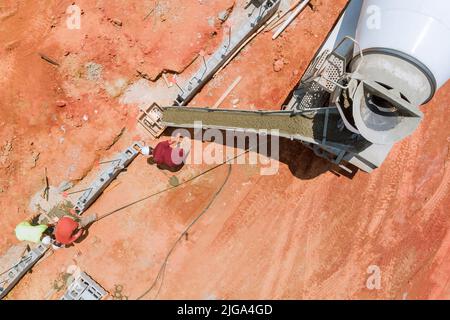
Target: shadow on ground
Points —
{"points": [[301, 160]]}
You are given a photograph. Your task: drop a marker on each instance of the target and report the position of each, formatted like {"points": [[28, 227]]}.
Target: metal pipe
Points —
{"points": [[280, 17], [290, 19]]}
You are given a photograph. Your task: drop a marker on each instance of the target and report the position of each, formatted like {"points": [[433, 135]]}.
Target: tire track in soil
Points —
{"points": [[441, 192]]}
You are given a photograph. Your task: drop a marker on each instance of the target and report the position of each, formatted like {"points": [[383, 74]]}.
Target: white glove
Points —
{"points": [[46, 241], [146, 151]]}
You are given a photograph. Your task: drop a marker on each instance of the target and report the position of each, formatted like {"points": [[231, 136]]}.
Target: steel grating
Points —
{"points": [[84, 288]]}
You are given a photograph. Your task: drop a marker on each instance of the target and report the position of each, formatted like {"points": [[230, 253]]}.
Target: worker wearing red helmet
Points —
{"points": [[67, 230], [169, 154]]}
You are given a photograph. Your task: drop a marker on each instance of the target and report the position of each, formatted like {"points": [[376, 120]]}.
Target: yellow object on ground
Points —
{"points": [[26, 232]]}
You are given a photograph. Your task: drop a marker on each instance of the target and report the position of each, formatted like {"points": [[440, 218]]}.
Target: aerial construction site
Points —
{"points": [[235, 149]]}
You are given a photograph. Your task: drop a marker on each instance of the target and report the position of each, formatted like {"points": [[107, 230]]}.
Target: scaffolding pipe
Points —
{"points": [[290, 19]]}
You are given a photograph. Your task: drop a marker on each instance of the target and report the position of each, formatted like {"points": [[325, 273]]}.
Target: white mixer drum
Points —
{"points": [[414, 30]]}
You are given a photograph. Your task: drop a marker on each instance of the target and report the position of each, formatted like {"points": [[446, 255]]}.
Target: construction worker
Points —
{"points": [[67, 230], [169, 154], [28, 231]]}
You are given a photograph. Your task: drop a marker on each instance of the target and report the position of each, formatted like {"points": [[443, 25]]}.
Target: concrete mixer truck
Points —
{"points": [[360, 94]]}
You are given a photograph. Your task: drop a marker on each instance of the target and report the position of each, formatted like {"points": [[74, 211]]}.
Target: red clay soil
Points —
{"points": [[303, 233]]}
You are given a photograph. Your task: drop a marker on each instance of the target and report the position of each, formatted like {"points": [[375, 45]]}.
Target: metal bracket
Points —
{"points": [[397, 101], [106, 177], [151, 119], [12, 277], [84, 288]]}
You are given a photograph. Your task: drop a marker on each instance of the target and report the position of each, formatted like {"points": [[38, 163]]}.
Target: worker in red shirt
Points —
{"points": [[169, 154], [67, 230]]}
